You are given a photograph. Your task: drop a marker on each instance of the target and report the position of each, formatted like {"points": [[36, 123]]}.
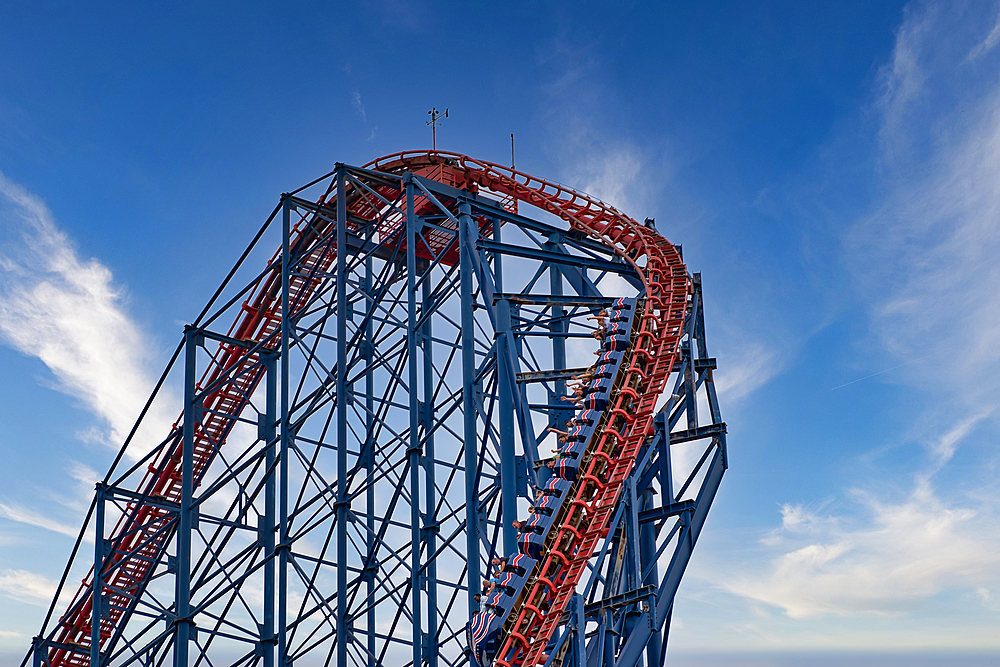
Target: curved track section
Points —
{"points": [[148, 522], [653, 349]]}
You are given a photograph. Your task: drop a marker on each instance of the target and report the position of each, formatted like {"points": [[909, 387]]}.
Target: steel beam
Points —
{"points": [[467, 228], [413, 451], [343, 499]]}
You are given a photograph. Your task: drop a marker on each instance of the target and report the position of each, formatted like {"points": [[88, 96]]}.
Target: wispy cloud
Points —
{"points": [[744, 368], [595, 154], [926, 257], [69, 313], [924, 261], [359, 105], [900, 554], [28, 587], [987, 44], [21, 514]]}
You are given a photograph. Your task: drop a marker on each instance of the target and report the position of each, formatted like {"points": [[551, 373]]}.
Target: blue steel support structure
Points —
{"points": [[351, 452]]}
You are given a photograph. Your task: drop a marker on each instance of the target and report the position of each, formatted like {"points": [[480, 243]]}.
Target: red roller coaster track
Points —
{"points": [[145, 529]]}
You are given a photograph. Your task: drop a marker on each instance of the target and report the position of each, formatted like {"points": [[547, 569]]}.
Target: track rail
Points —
{"points": [[666, 284], [141, 535]]}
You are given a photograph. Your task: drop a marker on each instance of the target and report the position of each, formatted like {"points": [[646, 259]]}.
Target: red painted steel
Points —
{"points": [[585, 521], [144, 529]]}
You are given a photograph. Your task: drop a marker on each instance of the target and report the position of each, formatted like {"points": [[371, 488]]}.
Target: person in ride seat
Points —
{"points": [[576, 397], [599, 317], [524, 527], [562, 437], [540, 509], [563, 466], [491, 583]]}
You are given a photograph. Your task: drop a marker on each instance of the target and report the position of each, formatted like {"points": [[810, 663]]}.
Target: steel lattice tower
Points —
{"points": [[364, 417]]}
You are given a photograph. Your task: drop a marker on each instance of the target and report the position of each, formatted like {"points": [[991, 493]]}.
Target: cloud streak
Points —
{"points": [[359, 106], [901, 554], [924, 262], [28, 587], [926, 256], [69, 313]]}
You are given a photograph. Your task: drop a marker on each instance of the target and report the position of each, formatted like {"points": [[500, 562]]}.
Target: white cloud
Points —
{"points": [[987, 44], [609, 170], [926, 256], [902, 80], [358, 105], [31, 517], [745, 367], [69, 313], [924, 261], [25, 586], [903, 553]]}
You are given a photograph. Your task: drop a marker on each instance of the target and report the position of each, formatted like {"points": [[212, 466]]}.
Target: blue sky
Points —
{"points": [[833, 171]]}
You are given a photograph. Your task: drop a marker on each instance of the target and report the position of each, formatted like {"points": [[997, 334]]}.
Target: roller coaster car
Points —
{"points": [[608, 357], [604, 371], [483, 631], [598, 402], [545, 505], [566, 468], [617, 343], [619, 315], [602, 385], [556, 487], [485, 627], [573, 449]]}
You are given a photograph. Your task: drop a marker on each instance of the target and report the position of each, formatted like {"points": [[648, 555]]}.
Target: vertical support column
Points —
{"points": [[505, 401], [283, 546], [609, 637], [632, 516], [666, 462], [37, 652], [430, 515], [647, 560], [97, 596], [370, 448], [633, 569], [182, 636], [580, 631], [269, 524], [413, 451], [468, 403], [558, 343], [342, 498], [691, 400]]}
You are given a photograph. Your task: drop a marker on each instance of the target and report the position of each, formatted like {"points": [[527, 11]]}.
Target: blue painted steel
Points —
{"points": [[361, 511], [98, 594], [268, 435], [469, 434], [343, 499], [414, 450], [183, 575], [286, 436]]}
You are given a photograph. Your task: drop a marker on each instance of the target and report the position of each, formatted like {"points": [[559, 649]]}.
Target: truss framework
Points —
{"points": [[352, 451]]}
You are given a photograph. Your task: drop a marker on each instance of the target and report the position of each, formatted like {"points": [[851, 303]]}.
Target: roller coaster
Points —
{"points": [[359, 471]]}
